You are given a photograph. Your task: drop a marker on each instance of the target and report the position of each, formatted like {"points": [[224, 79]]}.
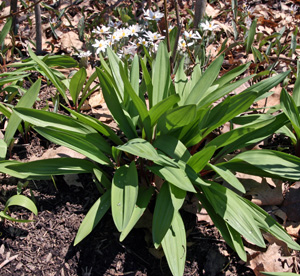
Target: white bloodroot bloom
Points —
{"points": [[113, 37], [142, 41], [191, 35], [150, 15], [102, 30], [134, 30], [123, 32], [84, 54], [153, 36], [101, 45], [208, 26], [183, 44], [114, 25]]}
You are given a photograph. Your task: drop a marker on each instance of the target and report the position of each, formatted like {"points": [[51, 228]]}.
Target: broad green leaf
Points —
{"points": [[176, 118], [13, 78], [266, 163], [227, 110], [206, 80], [3, 149], [177, 196], [115, 107], [27, 100], [199, 160], [175, 176], [251, 34], [97, 125], [269, 224], [264, 86], [56, 82], [42, 118], [76, 84], [248, 134], [142, 148], [5, 216], [229, 177], [114, 62], [20, 200], [124, 193], [296, 91], [93, 217], [232, 74], [160, 108], [172, 147], [102, 178], [180, 82], [148, 81], [163, 215], [230, 235], [91, 145], [135, 74], [143, 199], [138, 103], [5, 30], [161, 75], [227, 205], [291, 111], [47, 167], [221, 92], [174, 246]]}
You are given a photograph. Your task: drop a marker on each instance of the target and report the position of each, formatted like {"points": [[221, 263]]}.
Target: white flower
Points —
{"points": [[142, 41], [150, 15], [170, 28], [249, 11], [134, 29], [153, 36], [102, 30], [183, 44], [189, 35], [101, 45], [114, 37], [84, 54], [293, 9], [123, 32], [208, 26], [114, 24], [248, 22]]}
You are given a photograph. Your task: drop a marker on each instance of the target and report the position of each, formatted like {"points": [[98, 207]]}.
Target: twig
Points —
{"points": [[8, 260], [16, 13]]}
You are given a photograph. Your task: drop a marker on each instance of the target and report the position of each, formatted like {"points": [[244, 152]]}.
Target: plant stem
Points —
{"points": [[177, 36], [167, 26], [38, 28]]}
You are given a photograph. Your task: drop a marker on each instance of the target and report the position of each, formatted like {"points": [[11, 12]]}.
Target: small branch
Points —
{"points": [[16, 13], [8, 261]]}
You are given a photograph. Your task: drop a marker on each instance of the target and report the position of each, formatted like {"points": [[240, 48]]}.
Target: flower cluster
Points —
{"points": [[126, 40]]}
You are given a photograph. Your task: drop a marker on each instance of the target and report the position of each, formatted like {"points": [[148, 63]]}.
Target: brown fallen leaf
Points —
{"points": [[69, 40], [293, 229], [96, 100], [291, 204], [264, 191], [271, 261]]}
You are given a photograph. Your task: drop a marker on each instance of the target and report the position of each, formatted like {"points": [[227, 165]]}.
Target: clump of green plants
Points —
{"points": [[163, 153]]}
